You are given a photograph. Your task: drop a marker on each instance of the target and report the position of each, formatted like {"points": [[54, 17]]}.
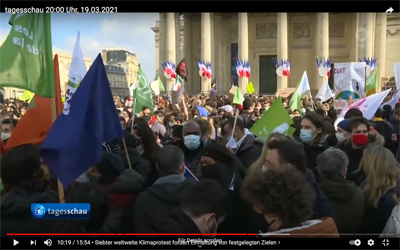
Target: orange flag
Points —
{"points": [[32, 128]]}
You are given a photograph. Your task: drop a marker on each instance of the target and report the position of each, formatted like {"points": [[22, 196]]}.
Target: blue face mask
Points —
{"points": [[306, 136], [192, 142]]}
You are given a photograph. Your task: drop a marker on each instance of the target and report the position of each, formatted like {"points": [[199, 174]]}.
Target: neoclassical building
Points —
{"points": [[261, 37]]}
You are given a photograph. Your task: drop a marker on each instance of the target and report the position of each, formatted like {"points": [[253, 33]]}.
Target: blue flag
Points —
{"points": [[75, 141]]}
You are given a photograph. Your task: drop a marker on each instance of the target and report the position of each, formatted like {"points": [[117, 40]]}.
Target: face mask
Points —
{"points": [[140, 149], [360, 139], [323, 139], [5, 136], [213, 229], [192, 142], [340, 137], [306, 136], [170, 124]]}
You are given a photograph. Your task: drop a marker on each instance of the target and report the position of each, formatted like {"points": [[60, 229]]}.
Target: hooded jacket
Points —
{"points": [[159, 200], [122, 193], [348, 201]]}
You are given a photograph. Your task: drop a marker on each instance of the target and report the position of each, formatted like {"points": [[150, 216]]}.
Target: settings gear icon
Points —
{"points": [[370, 242]]}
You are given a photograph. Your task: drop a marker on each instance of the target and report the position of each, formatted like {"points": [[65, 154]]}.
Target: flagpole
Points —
{"points": [[61, 194], [234, 123]]}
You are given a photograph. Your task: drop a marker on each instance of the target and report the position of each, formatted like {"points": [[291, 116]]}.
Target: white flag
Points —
{"points": [[395, 99], [155, 86], [396, 69], [77, 72], [368, 105], [324, 93]]}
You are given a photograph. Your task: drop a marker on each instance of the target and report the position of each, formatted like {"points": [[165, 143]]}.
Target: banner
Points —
{"points": [[349, 85]]}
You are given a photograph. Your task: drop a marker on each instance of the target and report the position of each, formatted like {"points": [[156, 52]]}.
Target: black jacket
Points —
{"points": [[16, 212], [176, 222], [249, 150], [138, 163], [159, 200], [122, 193]]}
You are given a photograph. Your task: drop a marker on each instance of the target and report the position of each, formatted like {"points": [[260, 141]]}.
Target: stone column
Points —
{"points": [[187, 50], [282, 46], [322, 44], [243, 44], [206, 48], [366, 37], [162, 43], [380, 46], [171, 46]]}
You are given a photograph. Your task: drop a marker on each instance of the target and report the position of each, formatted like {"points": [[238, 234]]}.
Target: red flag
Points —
{"points": [[32, 128]]}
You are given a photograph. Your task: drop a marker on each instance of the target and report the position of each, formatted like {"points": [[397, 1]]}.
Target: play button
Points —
{"points": [[16, 242]]}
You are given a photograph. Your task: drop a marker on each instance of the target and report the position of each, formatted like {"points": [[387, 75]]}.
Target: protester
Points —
{"points": [[147, 146], [247, 149], [22, 175], [99, 209], [284, 198], [192, 145], [7, 126], [314, 137], [361, 137], [381, 187], [218, 164], [160, 199], [291, 152], [122, 187], [136, 161], [346, 198], [199, 212]]}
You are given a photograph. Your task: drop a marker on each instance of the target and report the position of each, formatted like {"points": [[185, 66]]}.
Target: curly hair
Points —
{"points": [[282, 192]]}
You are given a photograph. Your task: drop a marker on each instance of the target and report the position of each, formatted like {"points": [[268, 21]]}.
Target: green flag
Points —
{"points": [[238, 98], [372, 83], [161, 85], [142, 93], [276, 119], [26, 56]]}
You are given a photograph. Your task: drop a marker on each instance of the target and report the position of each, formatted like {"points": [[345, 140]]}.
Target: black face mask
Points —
{"points": [[219, 172]]}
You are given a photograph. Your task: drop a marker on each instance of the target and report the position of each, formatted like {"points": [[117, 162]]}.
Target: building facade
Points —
{"points": [[64, 63], [262, 37], [117, 76], [125, 59]]}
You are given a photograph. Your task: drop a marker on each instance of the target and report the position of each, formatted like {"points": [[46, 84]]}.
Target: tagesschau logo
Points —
{"points": [[60, 211]]}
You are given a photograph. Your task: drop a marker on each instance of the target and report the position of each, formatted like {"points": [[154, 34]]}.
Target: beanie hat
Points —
{"points": [[218, 152], [110, 165], [344, 124]]}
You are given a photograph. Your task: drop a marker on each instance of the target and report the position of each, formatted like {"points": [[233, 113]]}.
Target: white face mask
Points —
{"points": [[340, 137], [171, 124], [5, 136]]}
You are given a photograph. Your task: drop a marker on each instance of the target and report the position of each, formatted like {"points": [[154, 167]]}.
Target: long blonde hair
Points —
{"points": [[381, 170]]}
